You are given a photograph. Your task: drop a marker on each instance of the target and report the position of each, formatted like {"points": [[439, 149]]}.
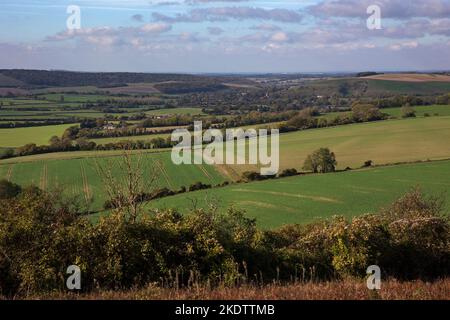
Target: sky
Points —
{"points": [[231, 36]]}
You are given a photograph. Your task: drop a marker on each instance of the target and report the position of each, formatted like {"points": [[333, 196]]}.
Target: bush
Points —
{"points": [[367, 164], [41, 234], [408, 112], [288, 173], [199, 186], [250, 176], [8, 189]]}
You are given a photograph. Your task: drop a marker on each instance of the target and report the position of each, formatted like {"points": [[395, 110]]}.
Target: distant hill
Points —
{"points": [[166, 83], [98, 79], [6, 81]]}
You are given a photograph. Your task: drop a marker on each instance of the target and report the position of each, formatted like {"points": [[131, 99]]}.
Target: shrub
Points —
{"points": [[249, 176], [41, 234], [199, 186], [288, 173], [367, 164], [8, 189], [408, 112]]}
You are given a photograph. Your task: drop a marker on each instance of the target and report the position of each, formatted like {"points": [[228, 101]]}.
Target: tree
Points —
{"points": [[126, 180], [366, 112], [407, 111], [85, 145], [322, 160], [71, 133]]}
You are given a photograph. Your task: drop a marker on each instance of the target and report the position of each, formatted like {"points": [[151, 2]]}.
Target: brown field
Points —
{"points": [[338, 290], [7, 90], [411, 77]]}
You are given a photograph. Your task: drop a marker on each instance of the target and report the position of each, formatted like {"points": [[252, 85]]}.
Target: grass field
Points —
{"points": [[433, 110], [180, 111], [406, 87], [304, 199], [382, 142], [39, 135], [79, 176], [131, 138]]}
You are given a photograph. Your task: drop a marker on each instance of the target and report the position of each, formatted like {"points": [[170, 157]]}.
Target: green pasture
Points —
{"points": [[304, 199]]}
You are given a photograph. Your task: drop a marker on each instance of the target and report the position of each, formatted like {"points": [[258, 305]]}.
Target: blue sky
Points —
{"points": [[225, 36]]}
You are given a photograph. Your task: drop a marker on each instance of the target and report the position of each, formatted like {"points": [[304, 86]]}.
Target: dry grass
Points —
{"points": [[411, 77], [342, 290]]}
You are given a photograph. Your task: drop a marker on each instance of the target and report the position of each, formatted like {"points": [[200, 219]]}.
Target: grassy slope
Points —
{"points": [[79, 176], [303, 199], [404, 87], [38, 135], [441, 110], [383, 142]]}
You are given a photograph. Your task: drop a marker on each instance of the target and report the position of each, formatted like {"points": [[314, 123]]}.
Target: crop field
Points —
{"points": [[80, 176], [39, 135], [304, 199], [383, 142], [411, 77], [57, 97], [65, 106], [407, 87]]}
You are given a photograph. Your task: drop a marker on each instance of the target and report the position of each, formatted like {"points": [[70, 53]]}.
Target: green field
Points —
{"points": [[304, 199], [383, 142], [131, 138], [39, 135], [404, 87], [433, 110], [180, 111], [82, 98], [79, 176]]}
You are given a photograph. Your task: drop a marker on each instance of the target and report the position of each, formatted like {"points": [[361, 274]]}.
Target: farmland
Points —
{"points": [[304, 199], [191, 111], [382, 142], [80, 176], [385, 142], [433, 110], [39, 135]]}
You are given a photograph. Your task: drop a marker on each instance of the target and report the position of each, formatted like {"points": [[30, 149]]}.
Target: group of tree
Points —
{"points": [[320, 161]]}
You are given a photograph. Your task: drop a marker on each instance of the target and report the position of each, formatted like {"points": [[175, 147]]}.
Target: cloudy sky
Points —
{"points": [[225, 35]]}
